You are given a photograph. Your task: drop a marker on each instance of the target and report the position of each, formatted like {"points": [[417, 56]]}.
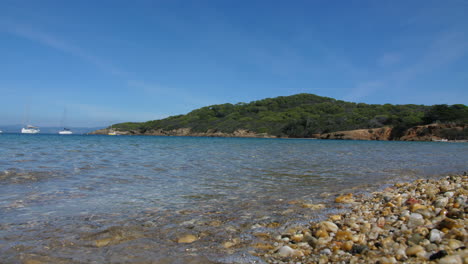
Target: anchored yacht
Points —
{"points": [[65, 131], [30, 130]]}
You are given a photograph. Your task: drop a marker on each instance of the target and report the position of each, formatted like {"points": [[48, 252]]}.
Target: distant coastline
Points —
{"points": [[432, 132], [310, 116]]}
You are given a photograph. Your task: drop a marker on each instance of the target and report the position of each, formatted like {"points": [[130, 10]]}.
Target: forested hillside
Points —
{"points": [[302, 115]]}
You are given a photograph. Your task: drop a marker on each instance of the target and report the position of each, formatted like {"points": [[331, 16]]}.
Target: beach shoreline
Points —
{"points": [[415, 222]]}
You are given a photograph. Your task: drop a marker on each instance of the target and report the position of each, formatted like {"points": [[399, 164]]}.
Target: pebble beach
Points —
{"points": [[419, 222]]}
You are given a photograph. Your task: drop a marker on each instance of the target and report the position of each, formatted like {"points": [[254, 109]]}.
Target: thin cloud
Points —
{"points": [[445, 49], [53, 42]]}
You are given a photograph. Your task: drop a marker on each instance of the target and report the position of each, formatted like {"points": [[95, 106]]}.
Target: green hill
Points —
{"points": [[301, 115]]}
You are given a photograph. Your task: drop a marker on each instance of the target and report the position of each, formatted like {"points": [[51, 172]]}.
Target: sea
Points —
{"points": [[130, 199]]}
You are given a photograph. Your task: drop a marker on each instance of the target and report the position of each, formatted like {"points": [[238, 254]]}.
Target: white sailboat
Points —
{"points": [[30, 130], [64, 131]]}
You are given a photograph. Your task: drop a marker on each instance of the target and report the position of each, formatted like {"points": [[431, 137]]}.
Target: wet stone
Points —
{"points": [[438, 255], [187, 239], [415, 239], [358, 249]]}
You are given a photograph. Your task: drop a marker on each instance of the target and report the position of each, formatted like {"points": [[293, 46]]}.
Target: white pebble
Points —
{"points": [[286, 251], [435, 235], [453, 259]]}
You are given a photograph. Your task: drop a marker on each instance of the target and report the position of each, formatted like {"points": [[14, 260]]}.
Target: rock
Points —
{"points": [[381, 222], [358, 249], [102, 242], [415, 239], [441, 202], [455, 244], [448, 223], [455, 214], [187, 239], [326, 251], [343, 235], [263, 246], [400, 253], [388, 260], [453, 259], [435, 235], [438, 255], [321, 233], [314, 206], [33, 261], [330, 226], [229, 244], [286, 251], [347, 246], [345, 198], [431, 247], [312, 241], [297, 238], [414, 250], [448, 194], [415, 220]]}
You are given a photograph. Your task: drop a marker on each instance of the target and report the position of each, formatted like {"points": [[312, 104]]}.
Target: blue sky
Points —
{"points": [[114, 61]]}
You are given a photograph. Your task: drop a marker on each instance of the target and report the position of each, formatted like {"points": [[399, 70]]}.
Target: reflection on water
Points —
{"points": [[129, 199]]}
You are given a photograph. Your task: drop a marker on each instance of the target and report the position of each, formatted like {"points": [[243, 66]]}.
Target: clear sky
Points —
{"points": [[114, 61]]}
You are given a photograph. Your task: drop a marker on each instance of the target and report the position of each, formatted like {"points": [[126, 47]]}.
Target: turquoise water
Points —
{"points": [[66, 188]]}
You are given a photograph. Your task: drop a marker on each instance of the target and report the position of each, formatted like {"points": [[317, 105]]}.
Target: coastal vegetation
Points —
{"points": [[303, 115]]}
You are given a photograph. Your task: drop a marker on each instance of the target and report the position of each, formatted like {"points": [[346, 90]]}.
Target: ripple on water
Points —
{"points": [[106, 199]]}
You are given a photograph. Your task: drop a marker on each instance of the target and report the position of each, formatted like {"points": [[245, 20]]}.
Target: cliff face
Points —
{"points": [[360, 134], [432, 132]]}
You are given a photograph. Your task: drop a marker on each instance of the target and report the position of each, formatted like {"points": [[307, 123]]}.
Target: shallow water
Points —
{"points": [[61, 194]]}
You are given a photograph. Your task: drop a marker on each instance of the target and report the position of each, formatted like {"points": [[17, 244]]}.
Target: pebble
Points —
{"points": [[441, 202], [454, 259], [435, 235], [330, 226], [415, 220], [286, 251], [187, 239], [345, 198], [414, 250]]}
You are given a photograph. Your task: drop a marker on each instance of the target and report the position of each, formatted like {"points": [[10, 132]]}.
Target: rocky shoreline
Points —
{"points": [[433, 132], [419, 222]]}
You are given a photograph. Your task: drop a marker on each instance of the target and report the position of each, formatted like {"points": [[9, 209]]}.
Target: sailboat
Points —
{"points": [[30, 130], [64, 131]]}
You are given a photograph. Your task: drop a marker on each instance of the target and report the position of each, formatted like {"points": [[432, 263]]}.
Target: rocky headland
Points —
{"points": [[432, 132]]}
